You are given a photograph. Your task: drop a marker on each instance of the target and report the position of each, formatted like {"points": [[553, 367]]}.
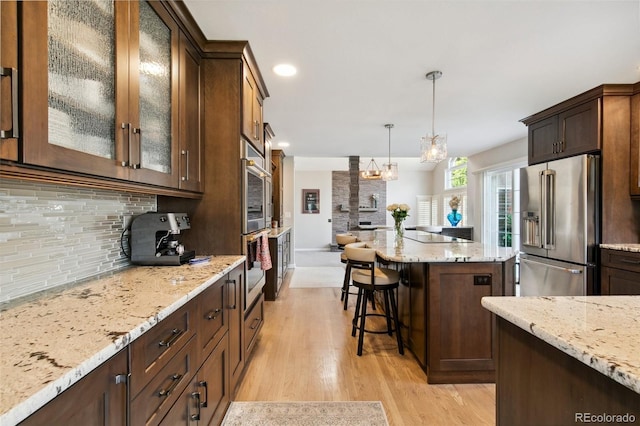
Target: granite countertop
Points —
{"points": [[602, 332], [420, 246], [276, 232], [622, 247], [51, 341]]}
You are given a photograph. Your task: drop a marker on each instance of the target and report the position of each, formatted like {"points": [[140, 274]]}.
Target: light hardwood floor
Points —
{"points": [[305, 352]]}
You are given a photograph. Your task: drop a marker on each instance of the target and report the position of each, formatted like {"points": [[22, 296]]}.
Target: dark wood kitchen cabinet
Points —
{"points": [[252, 98], [235, 287], [443, 322], [634, 165], [190, 117], [620, 273], [121, 123], [105, 99], [279, 247], [277, 159], [571, 132], [100, 398], [9, 74]]}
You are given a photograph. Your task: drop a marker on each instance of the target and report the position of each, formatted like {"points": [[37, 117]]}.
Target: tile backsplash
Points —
{"points": [[52, 235]]}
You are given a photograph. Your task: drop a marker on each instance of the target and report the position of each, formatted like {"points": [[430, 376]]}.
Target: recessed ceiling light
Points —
{"points": [[285, 70], [283, 144]]}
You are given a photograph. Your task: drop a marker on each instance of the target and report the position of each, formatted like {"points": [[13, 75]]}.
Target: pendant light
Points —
{"points": [[389, 170], [433, 148], [372, 172]]}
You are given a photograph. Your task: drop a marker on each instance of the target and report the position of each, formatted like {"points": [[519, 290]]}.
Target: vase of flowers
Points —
{"points": [[399, 212], [454, 217]]}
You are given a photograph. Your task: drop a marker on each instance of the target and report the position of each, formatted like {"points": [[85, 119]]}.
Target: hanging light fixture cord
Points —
{"points": [[389, 126]]}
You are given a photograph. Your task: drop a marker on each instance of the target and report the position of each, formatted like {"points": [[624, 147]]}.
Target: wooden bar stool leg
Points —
{"points": [[394, 306]]}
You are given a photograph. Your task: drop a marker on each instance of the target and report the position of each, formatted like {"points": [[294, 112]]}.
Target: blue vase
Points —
{"points": [[454, 217]]}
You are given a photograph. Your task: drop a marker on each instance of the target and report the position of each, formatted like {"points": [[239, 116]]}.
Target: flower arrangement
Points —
{"points": [[454, 203], [399, 212]]}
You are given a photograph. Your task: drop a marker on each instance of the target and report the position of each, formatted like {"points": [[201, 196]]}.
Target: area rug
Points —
{"points": [[316, 277], [311, 413]]}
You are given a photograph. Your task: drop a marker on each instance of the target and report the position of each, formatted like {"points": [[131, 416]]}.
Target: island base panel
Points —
{"points": [[537, 384]]}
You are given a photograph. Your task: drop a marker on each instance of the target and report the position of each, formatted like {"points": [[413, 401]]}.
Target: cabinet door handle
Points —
{"points": [[256, 125], [136, 164], [214, 314], [175, 379], [175, 333], [185, 152], [256, 321], [14, 132], [203, 383], [196, 396], [126, 135], [232, 305]]}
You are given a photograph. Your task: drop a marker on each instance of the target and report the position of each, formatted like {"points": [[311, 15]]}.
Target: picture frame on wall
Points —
{"points": [[310, 201]]}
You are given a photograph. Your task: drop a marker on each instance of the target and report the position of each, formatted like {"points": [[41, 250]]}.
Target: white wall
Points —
{"points": [[312, 231], [410, 183]]}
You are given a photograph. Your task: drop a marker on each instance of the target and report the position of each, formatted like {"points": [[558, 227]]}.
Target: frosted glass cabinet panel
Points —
{"points": [[100, 89], [155, 90], [82, 61]]}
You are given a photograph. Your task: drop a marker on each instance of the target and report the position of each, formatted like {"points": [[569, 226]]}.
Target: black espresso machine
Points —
{"points": [[154, 239]]}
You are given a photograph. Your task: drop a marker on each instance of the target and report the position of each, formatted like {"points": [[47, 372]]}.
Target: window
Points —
{"points": [[427, 210], [456, 173], [502, 205]]}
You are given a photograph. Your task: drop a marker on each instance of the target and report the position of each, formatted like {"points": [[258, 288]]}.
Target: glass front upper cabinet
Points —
{"points": [[104, 106]]}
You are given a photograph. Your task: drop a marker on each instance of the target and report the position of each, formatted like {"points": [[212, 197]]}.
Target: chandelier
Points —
{"points": [[389, 170], [433, 148], [372, 172]]}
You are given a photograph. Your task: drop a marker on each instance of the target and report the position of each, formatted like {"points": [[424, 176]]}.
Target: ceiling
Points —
{"points": [[362, 64]]}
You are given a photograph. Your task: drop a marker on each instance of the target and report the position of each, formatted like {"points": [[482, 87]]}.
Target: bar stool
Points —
{"points": [[344, 239], [351, 263], [369, 279]]}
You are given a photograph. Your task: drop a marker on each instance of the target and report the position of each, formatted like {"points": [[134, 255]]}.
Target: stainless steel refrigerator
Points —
{"points": [[559, 205]]}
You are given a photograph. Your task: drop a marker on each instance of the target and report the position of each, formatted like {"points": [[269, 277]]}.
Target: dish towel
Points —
{"points": [[262, 252]]}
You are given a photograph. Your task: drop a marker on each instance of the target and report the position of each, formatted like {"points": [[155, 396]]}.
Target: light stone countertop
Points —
{"points": [[622, 247], [276, 232], [51, 341], [420, 246], [602, 332]]}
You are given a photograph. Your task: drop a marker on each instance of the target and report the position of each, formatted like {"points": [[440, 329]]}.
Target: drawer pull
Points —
{"points": [[175, 379], [175, 333], [631, 261], [196, 396], [213, 315], [255, 323], [206, 393]]}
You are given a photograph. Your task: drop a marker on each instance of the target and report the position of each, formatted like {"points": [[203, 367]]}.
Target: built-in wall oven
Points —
{"points": [[254, 211], [256, 276], [254, 185]]}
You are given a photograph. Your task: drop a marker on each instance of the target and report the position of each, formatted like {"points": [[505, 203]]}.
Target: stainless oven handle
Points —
{"points": [[252, 164]]}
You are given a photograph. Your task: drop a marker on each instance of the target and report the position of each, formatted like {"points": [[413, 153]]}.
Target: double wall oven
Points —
{"points": [[254, 219]]}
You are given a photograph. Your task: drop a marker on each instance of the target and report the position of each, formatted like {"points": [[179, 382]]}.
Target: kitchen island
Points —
{"points": [[443, 280], [567, 360], [52, 340]]}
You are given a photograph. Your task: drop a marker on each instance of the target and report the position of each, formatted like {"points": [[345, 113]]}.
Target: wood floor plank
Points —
{"points": [[305, 352]]}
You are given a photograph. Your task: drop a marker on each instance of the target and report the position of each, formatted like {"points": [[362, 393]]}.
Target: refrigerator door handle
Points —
{"points": [[548, 210], [569, 270]]}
